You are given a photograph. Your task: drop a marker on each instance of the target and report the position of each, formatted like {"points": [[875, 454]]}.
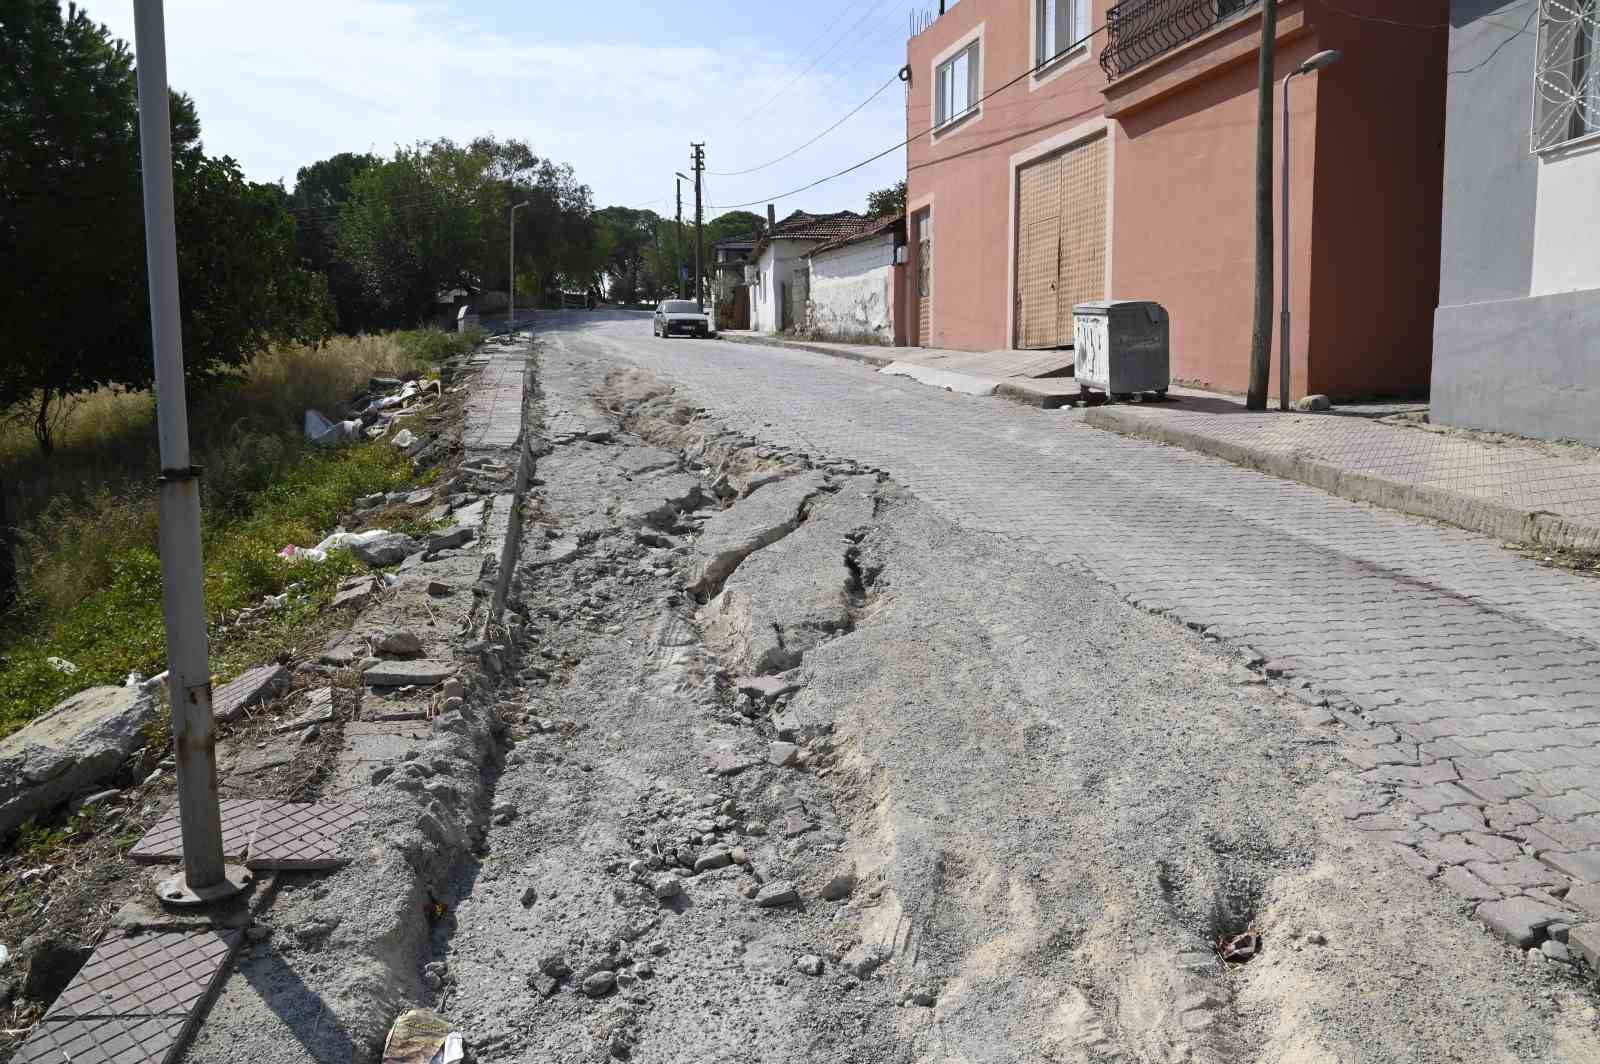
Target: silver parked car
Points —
{"points": [[682, 317]]}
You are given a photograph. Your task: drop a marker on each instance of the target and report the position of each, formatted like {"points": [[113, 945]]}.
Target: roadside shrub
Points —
{"points": [[434, 346], [89, 572]]}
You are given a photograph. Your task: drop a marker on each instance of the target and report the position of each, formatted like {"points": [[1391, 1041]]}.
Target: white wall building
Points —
{"points": [[779, 257], [852, 285]]}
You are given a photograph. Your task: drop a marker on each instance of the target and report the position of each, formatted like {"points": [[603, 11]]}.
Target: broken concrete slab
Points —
{"points": [[637, 461], [657, 501], [407, 673], [357, 594], [317, 709], [554, 553], [343, 650], [801, 724], [756, 521], [82, 741], [385, 550], [787, 598], [766, 688], [450, 538], [249, 689]]}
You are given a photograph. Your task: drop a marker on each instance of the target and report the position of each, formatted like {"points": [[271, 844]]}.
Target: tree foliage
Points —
{"points": [[887, 202], [435, 217], [320, 193], [73, 286]]}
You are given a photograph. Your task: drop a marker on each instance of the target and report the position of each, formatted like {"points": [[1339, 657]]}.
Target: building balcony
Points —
{"points": [[1138, 31]]}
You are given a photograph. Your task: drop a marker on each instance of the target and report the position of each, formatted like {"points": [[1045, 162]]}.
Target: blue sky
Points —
{"points": [[617, 89]]}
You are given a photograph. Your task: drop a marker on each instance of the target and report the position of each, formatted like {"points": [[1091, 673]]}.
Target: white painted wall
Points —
{"points": [[778, 263], [851, 290], [1566, 226]]}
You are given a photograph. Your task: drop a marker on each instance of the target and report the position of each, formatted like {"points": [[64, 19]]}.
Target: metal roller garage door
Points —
{"points": [[1061, 241]]}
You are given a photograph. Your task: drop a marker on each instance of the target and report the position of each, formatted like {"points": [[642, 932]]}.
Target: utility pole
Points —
{"points": [[511, 274], [1261, 333], [204, 877], [677, 243], [698, 154]]}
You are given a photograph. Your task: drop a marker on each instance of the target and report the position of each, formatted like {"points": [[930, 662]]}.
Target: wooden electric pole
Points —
{"points": [[698, 156], [1261, 333]]}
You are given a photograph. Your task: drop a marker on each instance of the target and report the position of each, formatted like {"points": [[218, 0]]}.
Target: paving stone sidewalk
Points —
{"points": [[1468, 675], [1517, 490]]}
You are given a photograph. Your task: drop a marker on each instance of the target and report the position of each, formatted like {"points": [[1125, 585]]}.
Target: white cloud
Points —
{"points": [[281, 85]]}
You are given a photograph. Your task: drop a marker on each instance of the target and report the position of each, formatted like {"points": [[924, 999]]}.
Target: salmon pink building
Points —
{"points": [[1072, 150]]}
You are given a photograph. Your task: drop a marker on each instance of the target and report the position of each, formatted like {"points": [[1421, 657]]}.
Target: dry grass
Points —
{"points": [[86, 515]]}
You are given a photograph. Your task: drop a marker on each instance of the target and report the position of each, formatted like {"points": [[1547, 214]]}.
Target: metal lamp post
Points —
{"points": [[205, 876], [1316, 62], [511, 282]]}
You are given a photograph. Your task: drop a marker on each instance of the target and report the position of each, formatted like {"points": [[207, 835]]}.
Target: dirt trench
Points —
{"points": [[1016, 815]]}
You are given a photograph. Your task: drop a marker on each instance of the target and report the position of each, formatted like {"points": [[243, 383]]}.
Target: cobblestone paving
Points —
{"points": [[1469, 677]]}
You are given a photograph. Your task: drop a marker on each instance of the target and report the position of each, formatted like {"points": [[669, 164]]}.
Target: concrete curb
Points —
{"points": [[1015, 389], [1506, 523], [800, 345], [948, 380], [1021, 390], [508, 529]]}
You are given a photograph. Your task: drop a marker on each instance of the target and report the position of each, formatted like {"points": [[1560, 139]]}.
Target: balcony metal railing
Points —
{"points": [[1138, 31]]}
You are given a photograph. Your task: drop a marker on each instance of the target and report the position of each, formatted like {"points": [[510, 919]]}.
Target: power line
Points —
{"points": [[790, 154], [896, 147], [785, 87], [843, 11], [1387, 21]]}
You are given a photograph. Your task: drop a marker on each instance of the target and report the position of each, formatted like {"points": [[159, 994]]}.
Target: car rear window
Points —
{"points": [[679, 306]]}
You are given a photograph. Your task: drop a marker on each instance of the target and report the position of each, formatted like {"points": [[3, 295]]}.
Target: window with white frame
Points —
{"points": [[955, 85], [1061, 24], [1566, 103]]}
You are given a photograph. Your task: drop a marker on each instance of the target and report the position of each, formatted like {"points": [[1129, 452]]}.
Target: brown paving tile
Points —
{"points": [[163, 843], [303, 835], [159, 972], [104, 1040]]}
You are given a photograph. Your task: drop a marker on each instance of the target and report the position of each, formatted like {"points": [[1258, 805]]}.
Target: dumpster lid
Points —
{"points": [[1102, 305]]}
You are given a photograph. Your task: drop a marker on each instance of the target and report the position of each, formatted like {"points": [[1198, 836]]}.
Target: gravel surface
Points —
{"points": [[994, 813]]}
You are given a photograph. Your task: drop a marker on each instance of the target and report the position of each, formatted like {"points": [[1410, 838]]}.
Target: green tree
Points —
{"points": [[73, 288], [887, 202], [320, 193], [435, 217], [628, 238], [409, 230]]}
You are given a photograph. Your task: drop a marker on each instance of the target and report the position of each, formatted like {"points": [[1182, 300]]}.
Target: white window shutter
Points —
{"points": [[1082, 29], [940, 82]]}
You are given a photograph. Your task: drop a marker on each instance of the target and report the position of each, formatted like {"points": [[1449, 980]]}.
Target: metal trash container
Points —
{"points": [[1120, 347]]}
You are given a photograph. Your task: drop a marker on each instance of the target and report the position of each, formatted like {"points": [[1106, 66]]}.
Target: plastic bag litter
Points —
{"points": [[292, 553], [422, 1037], [321, 431], [404, 438], [346, 540]]}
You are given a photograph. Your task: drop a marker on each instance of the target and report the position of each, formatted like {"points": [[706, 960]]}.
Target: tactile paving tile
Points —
{"points": [[159, 972], [303, 835], [104, 1040], [163, 843]]}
